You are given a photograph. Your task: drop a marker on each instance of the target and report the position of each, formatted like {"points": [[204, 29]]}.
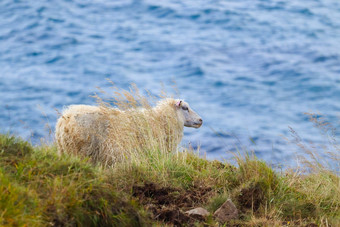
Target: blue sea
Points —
{"points": [[250, 68]]}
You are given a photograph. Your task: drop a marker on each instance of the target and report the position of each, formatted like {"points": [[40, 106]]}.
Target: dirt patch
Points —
{"points": [[169, 204], [251, 197]]}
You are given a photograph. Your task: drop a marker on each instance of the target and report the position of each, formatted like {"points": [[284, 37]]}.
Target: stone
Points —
{"points": [[226, 212], [198, 212]]}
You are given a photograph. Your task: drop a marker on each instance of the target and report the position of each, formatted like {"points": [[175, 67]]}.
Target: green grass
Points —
{"points": [[40, 188]]}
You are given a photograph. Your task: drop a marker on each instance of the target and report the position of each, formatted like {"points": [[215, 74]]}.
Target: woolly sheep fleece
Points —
{"points": [[108, 134]]}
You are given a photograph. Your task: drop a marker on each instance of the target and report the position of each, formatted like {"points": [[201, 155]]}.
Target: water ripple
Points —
{"points": [[250, 68]]}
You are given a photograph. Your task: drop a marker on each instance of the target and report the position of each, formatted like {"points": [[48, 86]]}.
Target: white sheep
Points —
{"points": [[108, 134]]}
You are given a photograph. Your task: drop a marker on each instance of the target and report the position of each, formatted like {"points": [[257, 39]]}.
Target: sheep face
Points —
{"points": [[190, 117]]}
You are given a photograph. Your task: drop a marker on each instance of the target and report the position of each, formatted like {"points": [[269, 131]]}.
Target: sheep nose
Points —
{"points": [[200, 120]]}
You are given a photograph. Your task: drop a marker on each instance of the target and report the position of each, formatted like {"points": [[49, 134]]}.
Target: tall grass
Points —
{"points": [[112, 134]]}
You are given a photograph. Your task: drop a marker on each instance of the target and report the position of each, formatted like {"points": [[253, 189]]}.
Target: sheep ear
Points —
{"points": [[179, 103]]}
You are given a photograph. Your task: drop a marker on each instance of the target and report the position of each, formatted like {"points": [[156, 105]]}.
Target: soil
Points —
{"points": [[168, 204], [251, 197]]}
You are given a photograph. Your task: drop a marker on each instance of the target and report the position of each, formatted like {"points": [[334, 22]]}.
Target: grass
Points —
{"points": [[40, 188], [155, 187]]}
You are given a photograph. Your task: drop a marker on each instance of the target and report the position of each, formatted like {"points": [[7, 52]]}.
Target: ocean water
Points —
{"points": [[250, 68]]}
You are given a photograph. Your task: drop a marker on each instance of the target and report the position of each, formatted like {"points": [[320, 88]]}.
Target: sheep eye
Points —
{"points": [[184, 108]]}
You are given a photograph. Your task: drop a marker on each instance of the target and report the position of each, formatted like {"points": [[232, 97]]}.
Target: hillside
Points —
{"points": [[40, 188]]}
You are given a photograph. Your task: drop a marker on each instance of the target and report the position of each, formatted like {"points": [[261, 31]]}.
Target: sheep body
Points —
{"points": [[108, 134]]}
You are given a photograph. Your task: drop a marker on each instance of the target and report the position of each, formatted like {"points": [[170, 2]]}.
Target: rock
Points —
{"points": [[198, 212], [226, 212]]}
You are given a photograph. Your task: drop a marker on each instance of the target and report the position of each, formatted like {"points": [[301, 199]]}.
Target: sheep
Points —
{"points": [[106, 134]]}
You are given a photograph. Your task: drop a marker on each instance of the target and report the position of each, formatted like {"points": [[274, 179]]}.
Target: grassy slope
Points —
{"points": [[40, 188]]}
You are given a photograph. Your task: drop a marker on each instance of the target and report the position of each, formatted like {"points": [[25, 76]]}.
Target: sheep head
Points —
{"points": [[190, 117]]}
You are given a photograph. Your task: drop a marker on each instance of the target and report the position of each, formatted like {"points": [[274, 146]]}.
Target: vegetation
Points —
{"points": [[38, 187]]}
